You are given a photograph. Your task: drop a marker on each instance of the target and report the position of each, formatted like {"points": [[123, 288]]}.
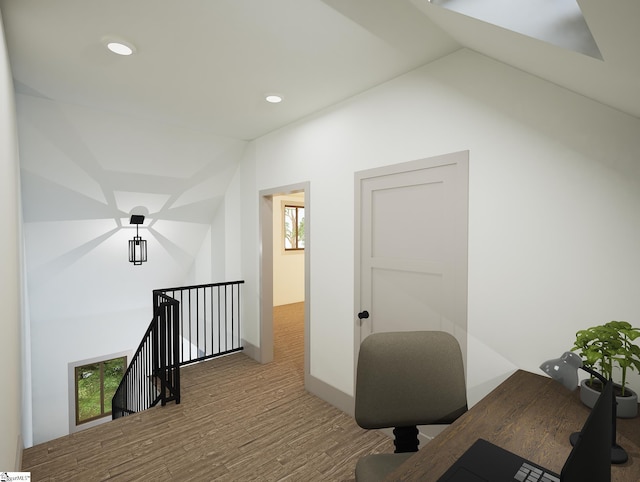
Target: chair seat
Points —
{"points": [[406, 379], [374, 468]]}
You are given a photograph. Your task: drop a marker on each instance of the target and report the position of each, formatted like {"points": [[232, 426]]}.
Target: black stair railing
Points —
{"points": [[153, 376], [209, 320], [190, 324]]}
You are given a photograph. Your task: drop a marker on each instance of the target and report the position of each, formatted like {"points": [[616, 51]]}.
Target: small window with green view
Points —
{"points": [[293, 227], [95, 385]]}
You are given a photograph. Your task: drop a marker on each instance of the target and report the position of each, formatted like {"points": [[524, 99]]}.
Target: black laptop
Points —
{"points": [[589, 460]]}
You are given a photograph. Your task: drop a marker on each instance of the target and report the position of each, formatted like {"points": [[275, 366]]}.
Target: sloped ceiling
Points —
{"points": [[208, 65], [614, 80], [200, 74], [160, 132]]}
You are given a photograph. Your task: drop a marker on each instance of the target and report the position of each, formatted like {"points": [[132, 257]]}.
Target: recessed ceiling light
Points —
{"points": [[120, 49], [273, 98], [118, 46]]}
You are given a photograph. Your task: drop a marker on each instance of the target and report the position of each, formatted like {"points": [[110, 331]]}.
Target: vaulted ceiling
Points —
{"points": [[208, 64], [194, 90]]}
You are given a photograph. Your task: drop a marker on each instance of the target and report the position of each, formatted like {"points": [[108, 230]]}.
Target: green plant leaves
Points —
{"points": [[605, 346]]}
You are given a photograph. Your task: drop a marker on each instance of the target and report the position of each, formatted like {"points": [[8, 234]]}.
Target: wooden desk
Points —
{"points": [[530, 415]]}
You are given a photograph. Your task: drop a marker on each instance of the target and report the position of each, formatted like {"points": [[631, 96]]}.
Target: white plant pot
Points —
{"points": [[627, 406]]}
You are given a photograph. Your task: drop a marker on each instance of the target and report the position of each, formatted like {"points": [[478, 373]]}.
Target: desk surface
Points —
{"points": [[528, 414]]}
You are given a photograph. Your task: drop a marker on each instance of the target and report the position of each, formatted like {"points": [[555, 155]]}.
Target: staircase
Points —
{"points": [[190, 324]]}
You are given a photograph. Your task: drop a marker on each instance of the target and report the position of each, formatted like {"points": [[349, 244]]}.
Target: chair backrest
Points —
{"points": [[409, 378]]}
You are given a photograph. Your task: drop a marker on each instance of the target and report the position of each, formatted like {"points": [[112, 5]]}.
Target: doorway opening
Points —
{"points": [[284, 277]]}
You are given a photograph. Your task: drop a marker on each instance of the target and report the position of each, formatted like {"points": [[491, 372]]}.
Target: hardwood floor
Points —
{"points": [[238, 420]]}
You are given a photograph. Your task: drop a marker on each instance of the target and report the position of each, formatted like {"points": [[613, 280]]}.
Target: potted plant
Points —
{"points": [[604, 348]]}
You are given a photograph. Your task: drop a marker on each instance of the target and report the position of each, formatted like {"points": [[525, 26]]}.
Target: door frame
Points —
{"points": [[461, 158], [266, 268]]}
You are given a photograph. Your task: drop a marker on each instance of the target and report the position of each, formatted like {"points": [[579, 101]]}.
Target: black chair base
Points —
{"points": [[406, 439]]}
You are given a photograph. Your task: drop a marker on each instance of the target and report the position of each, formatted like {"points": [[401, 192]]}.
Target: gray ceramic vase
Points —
{"points": [[627, 405]]}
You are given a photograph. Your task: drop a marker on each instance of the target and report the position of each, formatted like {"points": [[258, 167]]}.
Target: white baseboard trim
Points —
{"points": [[341, 400], [346, 403], [19, 450], [313, 385], [330, 394], [251, 351]]}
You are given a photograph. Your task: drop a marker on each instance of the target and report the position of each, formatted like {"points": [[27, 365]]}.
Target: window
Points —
{"points": [[293, 227], [561, 23], [95, 384]]}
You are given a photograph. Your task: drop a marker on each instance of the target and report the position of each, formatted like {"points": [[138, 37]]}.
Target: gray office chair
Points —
{"points": [[405, 379]]}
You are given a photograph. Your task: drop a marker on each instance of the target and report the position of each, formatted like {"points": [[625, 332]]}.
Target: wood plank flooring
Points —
{"points": [[238, 421]]}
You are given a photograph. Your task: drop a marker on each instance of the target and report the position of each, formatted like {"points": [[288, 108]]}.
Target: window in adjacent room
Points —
{"points": [[95, 384], [293, 227]]}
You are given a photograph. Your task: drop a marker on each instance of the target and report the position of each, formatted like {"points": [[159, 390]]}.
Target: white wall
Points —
{"points": [[57, 342], [288, 266], [553, 224], [83, 170], [233, 229], [553, 219], [209, 263], [202, 264], [248, 238], [218, 248], [11, 353]]}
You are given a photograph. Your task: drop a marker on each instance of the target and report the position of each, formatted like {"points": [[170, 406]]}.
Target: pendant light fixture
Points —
{"points": [[137, 245]]}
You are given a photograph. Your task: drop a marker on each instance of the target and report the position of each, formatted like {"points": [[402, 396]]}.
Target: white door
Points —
{"points": [[411, 247]]}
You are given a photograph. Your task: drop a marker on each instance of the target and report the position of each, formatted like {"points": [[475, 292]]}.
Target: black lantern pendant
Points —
{"points": [[137, 245]]}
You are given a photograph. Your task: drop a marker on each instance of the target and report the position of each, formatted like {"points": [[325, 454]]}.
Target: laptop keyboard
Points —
{"points": [[529, 473]]}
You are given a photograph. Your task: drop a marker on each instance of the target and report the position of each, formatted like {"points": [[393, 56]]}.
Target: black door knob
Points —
{"points": [[363, 315]]}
